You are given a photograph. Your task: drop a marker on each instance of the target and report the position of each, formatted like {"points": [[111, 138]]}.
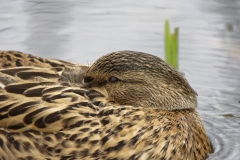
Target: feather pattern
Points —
{"points": [[46, 112]]}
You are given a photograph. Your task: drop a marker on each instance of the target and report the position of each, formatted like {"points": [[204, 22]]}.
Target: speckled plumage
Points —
{"points": [[46, 112]]}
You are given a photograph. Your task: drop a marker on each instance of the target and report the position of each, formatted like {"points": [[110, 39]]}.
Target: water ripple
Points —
{"points": [[81, 31]]}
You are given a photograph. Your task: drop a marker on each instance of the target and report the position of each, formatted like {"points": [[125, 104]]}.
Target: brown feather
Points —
{"points": [[49, 113]]}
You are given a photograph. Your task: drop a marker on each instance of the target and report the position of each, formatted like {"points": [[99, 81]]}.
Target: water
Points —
{"points": [[81, 31]]}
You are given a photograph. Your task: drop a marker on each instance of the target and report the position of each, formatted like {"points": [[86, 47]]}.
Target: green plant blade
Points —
{"points": [[171, 45]]}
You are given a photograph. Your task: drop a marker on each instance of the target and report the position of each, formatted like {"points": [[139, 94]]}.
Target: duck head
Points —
{"points": [[141, 80]]}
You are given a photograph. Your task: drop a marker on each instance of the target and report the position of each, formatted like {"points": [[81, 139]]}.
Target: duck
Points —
{"points": [[126, 105]]}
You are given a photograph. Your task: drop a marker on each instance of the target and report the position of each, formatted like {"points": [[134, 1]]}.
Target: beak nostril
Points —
{"points": [[88, 79]]}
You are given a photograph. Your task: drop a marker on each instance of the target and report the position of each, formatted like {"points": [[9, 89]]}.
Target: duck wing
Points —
{"points": [[44, 113], [10, 59]]}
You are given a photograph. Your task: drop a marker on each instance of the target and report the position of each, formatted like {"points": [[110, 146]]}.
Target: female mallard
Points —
{"points": [[130, 105]]}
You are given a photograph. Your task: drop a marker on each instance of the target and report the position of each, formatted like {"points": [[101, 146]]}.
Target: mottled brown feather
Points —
{"points": [[9, 59], [46, 112]]}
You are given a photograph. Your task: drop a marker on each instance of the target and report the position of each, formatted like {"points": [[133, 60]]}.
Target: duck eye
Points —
{"points": [[88, 79], [113, 79]]}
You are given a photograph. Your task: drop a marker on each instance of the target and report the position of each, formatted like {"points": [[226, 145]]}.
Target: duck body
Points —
{"points": [[47, 112]]}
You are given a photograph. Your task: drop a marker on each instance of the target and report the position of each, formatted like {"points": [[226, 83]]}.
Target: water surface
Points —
{"points": [[81, 31]]}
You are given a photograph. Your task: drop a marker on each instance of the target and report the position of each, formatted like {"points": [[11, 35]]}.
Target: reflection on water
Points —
{"points": [[81, 31]]}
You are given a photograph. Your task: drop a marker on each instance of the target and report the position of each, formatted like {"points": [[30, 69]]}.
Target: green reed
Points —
{"points": [[171, 45]]}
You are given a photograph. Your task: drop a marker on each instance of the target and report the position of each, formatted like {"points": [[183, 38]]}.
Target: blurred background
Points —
{"points": [[83, 30]]}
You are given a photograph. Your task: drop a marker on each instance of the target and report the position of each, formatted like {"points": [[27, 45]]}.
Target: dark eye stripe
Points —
{"points": [[113, 79], [88, 79]]}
